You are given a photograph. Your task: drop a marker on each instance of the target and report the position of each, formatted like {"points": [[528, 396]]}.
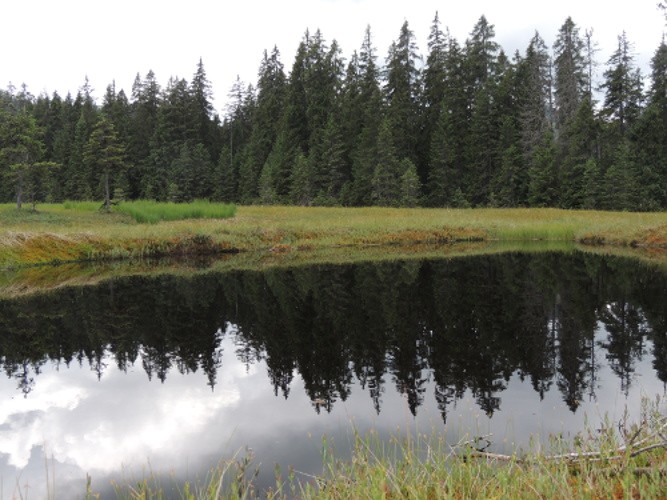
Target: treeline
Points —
{"points": [[467, 125]]}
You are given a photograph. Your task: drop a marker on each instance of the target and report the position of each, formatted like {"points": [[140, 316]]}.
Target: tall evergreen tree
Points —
{"points": [[21, 150], [202, 109], [402, 91], [145, 106], [386, 176], [650, 136], [571, 81], [370, 115], [623, 88], [447, 149], [481, 56], [270, 101], [435, 83], [481, 80], [103, 155]]}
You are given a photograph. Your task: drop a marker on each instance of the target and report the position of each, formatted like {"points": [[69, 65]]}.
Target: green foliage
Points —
{"points": [[386, 176], [103, 155]]}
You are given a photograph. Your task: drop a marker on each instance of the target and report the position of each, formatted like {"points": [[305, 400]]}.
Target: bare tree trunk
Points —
{"points": [[107, 201], [19, 191]]}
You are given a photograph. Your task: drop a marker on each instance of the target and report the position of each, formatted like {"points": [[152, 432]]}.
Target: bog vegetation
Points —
{"points": [[461, 124], [617, 460], [79, 231]]}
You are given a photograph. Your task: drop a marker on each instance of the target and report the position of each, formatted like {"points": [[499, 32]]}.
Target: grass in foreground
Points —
{"points": [[615, 461], [57, 234]]}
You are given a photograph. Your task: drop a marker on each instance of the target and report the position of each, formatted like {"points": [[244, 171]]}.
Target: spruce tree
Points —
{"points": [[201, 109], [265, 119], [410, 185], [21, 149], [370, 115], [435, 83], [386, 175], [622, 87], [103, 155], [143, 124], [650, 136], [571, 81], [402, 90]]}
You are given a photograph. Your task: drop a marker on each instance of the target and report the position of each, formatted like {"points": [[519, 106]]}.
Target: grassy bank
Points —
{"points": [[81, 233], [614, 460]]}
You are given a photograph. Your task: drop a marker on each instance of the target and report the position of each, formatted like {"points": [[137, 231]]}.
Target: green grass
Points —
{"points": [[82, 206], [608, 460], [83, 233], [146, 211]]}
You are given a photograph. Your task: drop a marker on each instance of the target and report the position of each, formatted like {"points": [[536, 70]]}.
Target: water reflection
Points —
{"points": [[467, 323], [431, 332]]}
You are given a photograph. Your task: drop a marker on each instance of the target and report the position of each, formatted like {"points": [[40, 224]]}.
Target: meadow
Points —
{"points": [[78, 231]]}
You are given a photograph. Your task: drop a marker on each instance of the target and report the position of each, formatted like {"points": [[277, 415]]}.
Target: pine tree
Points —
{"points": [[543, 174], [266, 117], [481, 56], [650, 136], [103, 155], [442, 175], [402, 90], [201, 112], [370, 115], [571, 81], [410, 185], [78, 175], [480, 151], [225, 178], [581, 137], [535, 96], [446, 154], [386, 175], [21, 149], [300, 192], [623, 88], [619, 190], [142, 128], [435, 84], [331, 172], [116, 107]]}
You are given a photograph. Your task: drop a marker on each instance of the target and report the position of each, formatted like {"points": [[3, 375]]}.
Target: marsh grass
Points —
{"points": [[82, 206], [85, 234], [152, 212], [606, 460]]}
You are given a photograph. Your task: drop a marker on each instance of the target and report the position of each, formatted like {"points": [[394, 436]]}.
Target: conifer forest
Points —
{"points": [[464, 124]]}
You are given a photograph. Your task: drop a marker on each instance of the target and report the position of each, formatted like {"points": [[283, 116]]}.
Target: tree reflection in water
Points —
{"points": [[468, 324]]}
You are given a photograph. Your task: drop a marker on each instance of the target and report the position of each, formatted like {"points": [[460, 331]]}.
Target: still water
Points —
{"points": [[163, 376]]}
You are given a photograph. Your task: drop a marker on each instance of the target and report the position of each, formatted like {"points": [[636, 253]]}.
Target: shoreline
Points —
{"points": [[55, 235]]}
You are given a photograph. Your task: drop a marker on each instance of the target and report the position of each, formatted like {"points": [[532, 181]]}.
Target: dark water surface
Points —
{"points": [[166, 375]]}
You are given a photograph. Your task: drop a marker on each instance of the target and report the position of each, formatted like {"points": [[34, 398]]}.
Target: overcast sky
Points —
{"points": [[52, 45]]}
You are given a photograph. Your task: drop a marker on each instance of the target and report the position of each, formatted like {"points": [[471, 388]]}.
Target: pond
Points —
{"points": [[165, 375]]}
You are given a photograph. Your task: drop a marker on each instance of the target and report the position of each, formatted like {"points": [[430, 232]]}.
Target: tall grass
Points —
{"points": [[82, 206], [607, 460], [82, 232], [152, 212]]}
